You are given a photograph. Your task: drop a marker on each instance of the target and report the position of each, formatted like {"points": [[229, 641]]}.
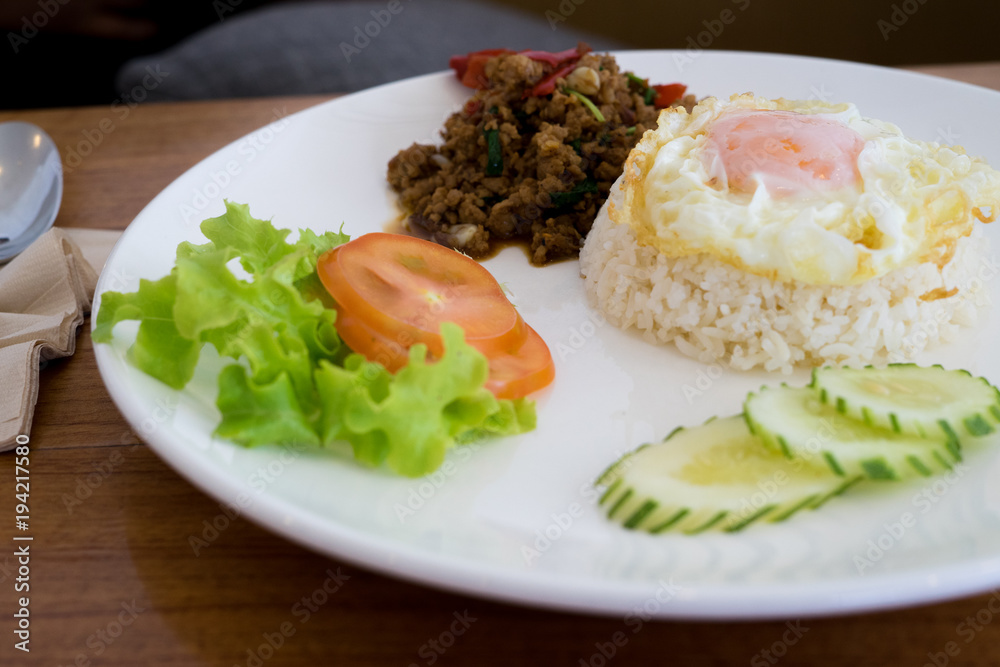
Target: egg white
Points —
{"points": [[913, 202]]}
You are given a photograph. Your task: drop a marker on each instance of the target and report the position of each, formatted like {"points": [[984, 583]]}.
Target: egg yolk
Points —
{"points": [[788, 153]]}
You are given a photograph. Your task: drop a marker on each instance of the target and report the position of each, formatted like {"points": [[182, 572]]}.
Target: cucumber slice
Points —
{"points": [[716, 476], [927, 401], [796, 423]]}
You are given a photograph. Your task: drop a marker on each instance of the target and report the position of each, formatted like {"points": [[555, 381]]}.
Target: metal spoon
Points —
{"points": [[31, 185]]}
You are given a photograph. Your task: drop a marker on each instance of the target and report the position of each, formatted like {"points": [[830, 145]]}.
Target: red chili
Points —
{"points": [[554, 58], [472, 106], [667, 94], [471, 68], [548, 85]]}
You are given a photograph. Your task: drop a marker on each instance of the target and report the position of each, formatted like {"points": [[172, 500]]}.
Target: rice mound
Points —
{"points": [[717, 313]]}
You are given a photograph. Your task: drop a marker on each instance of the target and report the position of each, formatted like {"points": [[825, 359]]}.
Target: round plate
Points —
{"points": [[516, 519]]}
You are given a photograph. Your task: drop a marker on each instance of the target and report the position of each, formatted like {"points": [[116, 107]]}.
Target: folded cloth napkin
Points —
{"points": [[44, 294]]}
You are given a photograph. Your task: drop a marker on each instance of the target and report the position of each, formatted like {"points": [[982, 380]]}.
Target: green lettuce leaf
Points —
{"points": [[160, 349], [427, 405], [257, 243], [294, 380], [256, 413]]}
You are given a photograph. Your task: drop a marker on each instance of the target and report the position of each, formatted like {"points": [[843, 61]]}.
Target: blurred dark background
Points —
{"points": [[881, 32], [67, 52]]}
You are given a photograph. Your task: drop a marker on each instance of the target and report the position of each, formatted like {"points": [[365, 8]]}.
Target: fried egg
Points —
{"points": [[801, 190]]}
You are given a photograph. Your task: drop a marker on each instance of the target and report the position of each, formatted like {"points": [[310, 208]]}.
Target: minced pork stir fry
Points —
{"points": [[532, 155]]}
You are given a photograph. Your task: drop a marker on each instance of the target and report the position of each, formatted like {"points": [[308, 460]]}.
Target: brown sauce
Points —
{"points": [[399, 226]]}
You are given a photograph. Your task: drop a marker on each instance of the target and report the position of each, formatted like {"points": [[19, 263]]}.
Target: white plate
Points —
{"points": [[516, 519]]}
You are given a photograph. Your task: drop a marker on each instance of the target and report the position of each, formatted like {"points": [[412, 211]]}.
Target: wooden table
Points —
{"points": [[114, 580]]}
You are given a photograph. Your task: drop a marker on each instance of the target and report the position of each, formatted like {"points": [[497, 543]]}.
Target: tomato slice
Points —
{"points": [[393, 291], [667, 94], [403, 288], [522, 370], [513, 374], [374, 346]]}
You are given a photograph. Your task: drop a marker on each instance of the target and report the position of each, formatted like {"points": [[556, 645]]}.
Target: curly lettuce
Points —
{"points": [[294, 380]]}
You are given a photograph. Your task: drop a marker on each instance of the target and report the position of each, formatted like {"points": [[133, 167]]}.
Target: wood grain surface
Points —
{"points": [[114, 579]]}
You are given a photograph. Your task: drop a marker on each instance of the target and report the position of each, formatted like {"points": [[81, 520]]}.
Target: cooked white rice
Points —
{"points": [[717, 313]]}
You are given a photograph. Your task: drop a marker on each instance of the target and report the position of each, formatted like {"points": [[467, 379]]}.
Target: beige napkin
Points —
{"points": [[44, 294]]}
